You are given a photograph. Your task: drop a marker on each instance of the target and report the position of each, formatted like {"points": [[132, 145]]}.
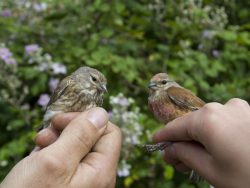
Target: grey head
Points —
{"points": [[90, 79]]}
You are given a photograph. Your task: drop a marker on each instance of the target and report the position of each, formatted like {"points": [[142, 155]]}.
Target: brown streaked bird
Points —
{"points": [[80, 91], [168, 100]]}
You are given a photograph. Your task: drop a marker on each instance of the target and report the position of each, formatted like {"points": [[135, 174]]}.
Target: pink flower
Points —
{"points": [[216, 53], [6, 56], [31, 48], [6, 13], [110, 113], [207, 34], [11, 61], [53, 83], [5, 53], [43, 99]]}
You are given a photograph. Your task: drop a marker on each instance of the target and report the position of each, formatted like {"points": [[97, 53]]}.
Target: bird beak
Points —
{"points": [[104, 88], [152, 85]]}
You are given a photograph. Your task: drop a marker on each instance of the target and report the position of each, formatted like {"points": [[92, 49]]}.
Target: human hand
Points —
{"points": [[84, 155], [213, 141]]}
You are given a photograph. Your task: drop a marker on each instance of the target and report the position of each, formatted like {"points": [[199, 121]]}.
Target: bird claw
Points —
{"points": [[156, 147], [194, 177]]}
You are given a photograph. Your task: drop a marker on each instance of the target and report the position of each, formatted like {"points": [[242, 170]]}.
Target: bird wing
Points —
{"points": [[184, 98], [61, 88]]}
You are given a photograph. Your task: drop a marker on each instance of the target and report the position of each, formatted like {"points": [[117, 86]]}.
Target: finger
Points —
{"points": [[60, 121], [178, 129], [79, 136], [109, 145], [37, 148], [102, 161], [182, 167], [49, 135], [171, 158], [237, 102], [46, 137], [198, 126], [195, 157]]}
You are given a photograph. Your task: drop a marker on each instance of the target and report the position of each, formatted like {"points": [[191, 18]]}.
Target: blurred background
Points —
{"points": [[202, 44]]}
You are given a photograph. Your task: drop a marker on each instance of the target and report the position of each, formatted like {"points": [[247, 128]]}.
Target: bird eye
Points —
{"points": [[164, 81], [94, 78]]}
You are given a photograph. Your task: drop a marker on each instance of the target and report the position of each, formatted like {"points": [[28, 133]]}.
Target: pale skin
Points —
{"points": [[81, 150], [221, 157], [214, 141]]}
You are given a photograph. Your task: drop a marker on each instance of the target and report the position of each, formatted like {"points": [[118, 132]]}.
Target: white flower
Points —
{"points": [[40, 7], [59, 68], [43, 67], [124, 169]]}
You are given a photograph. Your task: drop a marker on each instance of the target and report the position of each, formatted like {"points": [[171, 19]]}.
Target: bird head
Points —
{"points": [[91, 80], [160, 82]]}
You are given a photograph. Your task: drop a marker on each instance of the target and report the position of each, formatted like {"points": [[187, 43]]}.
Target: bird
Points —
{"points": [[168, 100], [78, 92]]}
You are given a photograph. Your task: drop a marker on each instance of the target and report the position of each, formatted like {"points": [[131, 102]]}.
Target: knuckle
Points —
{"points": [[85, 140], [210, 111], [52, 164], [238, 102], [210, 117], [116, 129], [211, 107]]}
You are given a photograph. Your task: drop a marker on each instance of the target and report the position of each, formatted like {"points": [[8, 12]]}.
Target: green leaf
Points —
{"points": [[228, 35]]}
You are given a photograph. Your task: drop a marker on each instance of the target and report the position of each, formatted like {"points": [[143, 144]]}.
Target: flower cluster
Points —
{"points": [[124, 169], [8, 79], [33, 55], [44, 63], [211, 17], [6, 56], [6, 13], [210, 21], [127, 118]]}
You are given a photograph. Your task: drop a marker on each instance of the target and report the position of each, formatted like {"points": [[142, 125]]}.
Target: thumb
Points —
{"points": [[80, 136]]}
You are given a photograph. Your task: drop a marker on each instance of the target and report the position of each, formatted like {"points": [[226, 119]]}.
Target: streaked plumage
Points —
{"points": [[81, 90], [168, 100]]}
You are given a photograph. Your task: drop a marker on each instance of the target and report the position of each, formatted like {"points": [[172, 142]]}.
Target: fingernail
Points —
{"points": [[42, 131], [98, 117], [37, 148]]}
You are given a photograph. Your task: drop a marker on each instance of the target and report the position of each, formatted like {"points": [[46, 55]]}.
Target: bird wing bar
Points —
{"points": [[61, 88], [185, 98]]}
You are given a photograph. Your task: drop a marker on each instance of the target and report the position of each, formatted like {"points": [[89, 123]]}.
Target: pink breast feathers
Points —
{"points": [[162, 111]]}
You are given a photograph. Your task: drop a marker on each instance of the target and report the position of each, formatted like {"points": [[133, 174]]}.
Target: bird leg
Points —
{"points": [[156, 147]]}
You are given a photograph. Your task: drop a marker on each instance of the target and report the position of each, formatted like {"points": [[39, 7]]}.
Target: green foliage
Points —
{"points": [[204, 45]]}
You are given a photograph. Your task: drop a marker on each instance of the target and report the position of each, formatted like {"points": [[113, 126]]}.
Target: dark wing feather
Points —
{"points": [[61, 88], [184, 98]]}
